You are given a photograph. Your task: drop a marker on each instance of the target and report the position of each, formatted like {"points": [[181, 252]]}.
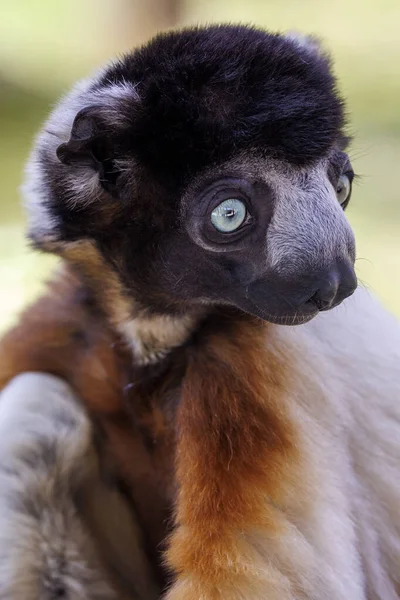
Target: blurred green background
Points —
{"points": [[47, 44]]}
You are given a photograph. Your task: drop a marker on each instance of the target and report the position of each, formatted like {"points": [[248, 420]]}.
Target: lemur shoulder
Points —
{"points": [[195, 193]]}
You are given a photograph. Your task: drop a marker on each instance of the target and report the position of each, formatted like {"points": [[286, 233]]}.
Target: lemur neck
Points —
{"points": [[152, 337], [149, 336]]}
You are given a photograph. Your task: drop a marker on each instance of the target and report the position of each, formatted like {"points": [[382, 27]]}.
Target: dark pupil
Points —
{"points": [[339, 189], [230, 212]]}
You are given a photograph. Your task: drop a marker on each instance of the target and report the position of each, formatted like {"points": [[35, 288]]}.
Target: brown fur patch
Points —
{"points": [[236, 449], [102, 279]]}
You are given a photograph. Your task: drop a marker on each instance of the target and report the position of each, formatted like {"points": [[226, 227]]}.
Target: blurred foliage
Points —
{"points": [[46, 44]]}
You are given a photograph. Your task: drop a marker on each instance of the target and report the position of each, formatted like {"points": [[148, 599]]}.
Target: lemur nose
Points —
{"points": [[338, 284]]}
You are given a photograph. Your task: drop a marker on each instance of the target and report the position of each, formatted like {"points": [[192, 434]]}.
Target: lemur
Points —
{"points": [[200, 448]]}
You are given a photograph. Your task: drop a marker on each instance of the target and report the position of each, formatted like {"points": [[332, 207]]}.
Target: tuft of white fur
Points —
{"points": [[309, 43]]}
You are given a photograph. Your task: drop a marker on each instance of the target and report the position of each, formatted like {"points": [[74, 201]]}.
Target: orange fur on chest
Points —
{"points": [[223, 454], [236, 449]]}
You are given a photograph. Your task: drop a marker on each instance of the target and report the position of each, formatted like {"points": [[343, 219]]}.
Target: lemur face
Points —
{"points": [[206, 168], [272, 239]]}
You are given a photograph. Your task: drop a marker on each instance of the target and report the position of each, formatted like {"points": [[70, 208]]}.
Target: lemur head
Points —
{"points": [[205, 168]]}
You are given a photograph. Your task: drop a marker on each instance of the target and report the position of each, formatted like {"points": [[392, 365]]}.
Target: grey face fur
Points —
{"points": [[309, 230]]}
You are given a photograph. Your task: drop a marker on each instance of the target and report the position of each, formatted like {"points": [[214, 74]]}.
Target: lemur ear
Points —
{"points": [[91, 144]]}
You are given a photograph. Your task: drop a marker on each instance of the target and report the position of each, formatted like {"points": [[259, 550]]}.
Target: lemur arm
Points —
{"points": [[60, 522], [63, 527]]}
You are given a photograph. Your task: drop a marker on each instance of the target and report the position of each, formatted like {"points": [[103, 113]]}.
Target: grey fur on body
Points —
{"points": [[53, 540]]}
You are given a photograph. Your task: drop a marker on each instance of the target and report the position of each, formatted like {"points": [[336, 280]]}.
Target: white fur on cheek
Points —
{"points": [[309, 230]]}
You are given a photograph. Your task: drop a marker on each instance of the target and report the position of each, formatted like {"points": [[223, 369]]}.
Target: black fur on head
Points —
{"points": [[135, 159], [206, 94]]}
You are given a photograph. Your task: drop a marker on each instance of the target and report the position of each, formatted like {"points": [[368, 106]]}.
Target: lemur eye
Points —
{"points": [[343, 189], [229, 215]]}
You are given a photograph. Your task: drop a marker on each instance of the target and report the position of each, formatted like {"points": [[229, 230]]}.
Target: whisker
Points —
{"points": [[363, 258]]}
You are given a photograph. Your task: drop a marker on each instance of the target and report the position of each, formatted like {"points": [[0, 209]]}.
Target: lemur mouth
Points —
{"points": [[305, 313], [302, 315], [297, 319], [296, 302], [280, 311]]}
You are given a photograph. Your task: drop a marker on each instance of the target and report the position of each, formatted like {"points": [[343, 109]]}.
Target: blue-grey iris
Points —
{"points": [[229, 215]]}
